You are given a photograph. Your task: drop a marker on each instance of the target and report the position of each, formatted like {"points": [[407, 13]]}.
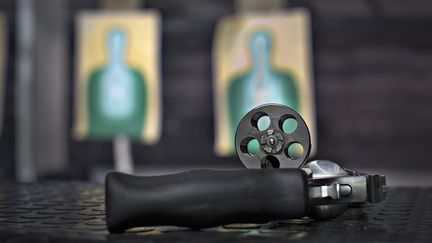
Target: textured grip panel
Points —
{"points": [[204, 198]]}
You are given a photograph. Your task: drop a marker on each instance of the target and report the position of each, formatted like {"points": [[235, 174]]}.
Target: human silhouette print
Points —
{"points": [[117, 93], [261, 84]]}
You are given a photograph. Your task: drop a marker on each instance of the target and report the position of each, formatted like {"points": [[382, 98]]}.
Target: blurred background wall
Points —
{"points": [[7, 140], [373, 84]]}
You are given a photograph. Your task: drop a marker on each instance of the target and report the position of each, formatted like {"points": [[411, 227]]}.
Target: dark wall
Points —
{"points": [[7, 137], [373, 77], [373, 85], [374, 91]]}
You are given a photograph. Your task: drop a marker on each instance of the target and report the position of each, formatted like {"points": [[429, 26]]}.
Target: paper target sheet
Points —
{"points": [[261, 58], [118, 75]]}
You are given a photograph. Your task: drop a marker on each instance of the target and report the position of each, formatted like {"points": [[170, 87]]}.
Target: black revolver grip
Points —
{"points": [[204, 198]]}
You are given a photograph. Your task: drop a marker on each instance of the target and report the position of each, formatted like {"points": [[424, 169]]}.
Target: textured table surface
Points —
{"points": [[70, 211]]}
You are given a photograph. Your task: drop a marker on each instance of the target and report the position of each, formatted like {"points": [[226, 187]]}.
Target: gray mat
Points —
{"points": [[70, 211]]}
